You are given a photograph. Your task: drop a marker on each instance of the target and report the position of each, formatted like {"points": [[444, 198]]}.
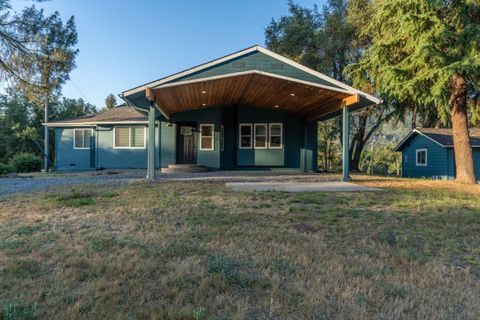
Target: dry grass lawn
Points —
{"points": [[200, 251]]}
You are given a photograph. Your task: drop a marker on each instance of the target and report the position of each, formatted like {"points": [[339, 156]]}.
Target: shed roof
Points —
{"points": [[442, 137], [120, 114]]}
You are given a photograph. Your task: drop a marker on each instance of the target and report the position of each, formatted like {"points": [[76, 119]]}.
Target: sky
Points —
{"points": [[124, 44]]}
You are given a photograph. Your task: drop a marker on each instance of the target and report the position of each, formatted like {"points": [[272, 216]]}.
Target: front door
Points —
{"points": [[186, 150]]}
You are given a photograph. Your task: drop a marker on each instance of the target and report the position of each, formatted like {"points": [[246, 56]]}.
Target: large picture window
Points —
{"points": [[129, 137], [275, 136], [260, 135], [82, 138], [207, 137], [245, 136], [421, 158]]}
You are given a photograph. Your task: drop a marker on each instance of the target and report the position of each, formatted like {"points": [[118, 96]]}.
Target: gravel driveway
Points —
{"points": [[23, 183]]}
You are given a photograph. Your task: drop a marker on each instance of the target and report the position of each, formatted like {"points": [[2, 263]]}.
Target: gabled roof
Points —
{"points": [[442, 137], [336, 83], [121, 114], [220, 84]]}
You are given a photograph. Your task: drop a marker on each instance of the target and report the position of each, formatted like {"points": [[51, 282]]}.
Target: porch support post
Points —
{"points": [[345, 144], [151, 142]]}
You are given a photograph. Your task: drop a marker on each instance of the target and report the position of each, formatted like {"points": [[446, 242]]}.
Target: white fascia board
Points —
{"points": [[87, 124], [317, 74], [192, 70], [274, 55]]}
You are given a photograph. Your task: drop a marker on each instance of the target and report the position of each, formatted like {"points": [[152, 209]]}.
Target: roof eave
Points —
{"points": [[87, 124], [258, 48]]}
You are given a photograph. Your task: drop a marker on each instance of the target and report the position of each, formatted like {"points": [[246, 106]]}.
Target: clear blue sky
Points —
{"points": [[127, 43]]}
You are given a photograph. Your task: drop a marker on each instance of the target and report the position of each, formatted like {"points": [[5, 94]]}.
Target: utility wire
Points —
{"points": [[80, 91]]}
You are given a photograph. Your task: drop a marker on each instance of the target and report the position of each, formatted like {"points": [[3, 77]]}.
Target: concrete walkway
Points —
{"points": [[330, 186]]}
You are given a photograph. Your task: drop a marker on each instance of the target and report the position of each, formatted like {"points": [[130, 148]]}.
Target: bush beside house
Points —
{"points": [[21, 163]]}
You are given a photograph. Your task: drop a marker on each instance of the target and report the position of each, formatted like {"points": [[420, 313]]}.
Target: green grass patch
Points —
{"points": [[101, 243], [18, 311], [76, 198]]}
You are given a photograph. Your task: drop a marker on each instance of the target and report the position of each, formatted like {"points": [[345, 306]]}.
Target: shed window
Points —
{"points": [[260, 140], [275, 136], [206, 137], [421, 158], [129, 137], [82, 138], [245, 136]]}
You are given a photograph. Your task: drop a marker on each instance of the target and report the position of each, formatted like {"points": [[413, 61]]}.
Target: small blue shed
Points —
{"points": [[428, 153]]}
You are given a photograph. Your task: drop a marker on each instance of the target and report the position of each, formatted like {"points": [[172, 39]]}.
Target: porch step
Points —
{"points": [[184, 168]]}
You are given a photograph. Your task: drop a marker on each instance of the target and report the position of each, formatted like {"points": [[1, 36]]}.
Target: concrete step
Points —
{"points": [[180, 166], [184, 169]]}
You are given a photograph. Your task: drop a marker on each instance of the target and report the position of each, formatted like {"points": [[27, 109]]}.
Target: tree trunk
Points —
{"points": [[461, 140], [414, 118]]}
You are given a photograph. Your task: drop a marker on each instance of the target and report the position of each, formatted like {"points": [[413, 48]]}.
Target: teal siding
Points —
{"points": [[167, 143], [256, 61], [450, 174], [260, 157], [438, 164], [70, 159], [67, 158], [311, 147], [476, 162], [212, 115], [298, 152]]}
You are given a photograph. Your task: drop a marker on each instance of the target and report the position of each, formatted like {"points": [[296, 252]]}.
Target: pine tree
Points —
{"points": [[428, 52], [110, 101]]}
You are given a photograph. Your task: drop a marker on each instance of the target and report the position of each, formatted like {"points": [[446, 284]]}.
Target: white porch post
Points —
{"points": [[345, 144], [151, 143]]}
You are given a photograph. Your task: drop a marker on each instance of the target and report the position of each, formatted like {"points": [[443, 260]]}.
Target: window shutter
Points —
{"points": [[122, 137], [78, 138], [137, 137]]}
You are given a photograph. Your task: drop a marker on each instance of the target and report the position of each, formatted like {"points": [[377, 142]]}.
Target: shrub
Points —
{"points": [[26, 162], [5, 169]]}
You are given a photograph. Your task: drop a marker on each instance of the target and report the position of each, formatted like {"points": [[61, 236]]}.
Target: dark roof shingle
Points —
{"points": [[117, 114], [443, 137]]}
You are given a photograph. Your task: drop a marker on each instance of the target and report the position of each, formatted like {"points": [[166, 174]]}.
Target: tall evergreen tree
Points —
{"points": [[110, 101], [428, 51], [53, 52]]}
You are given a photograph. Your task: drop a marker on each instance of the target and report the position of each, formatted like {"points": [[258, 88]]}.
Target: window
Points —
{"points": [[129, 137], [222, 138], [421, 159], [276, 133], [206, 137], [260, 136], [245, 136], [82, 138]]}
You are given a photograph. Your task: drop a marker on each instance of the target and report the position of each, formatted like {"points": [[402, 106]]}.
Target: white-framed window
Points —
{"points": [[129, 137], [421, 157], [245, 136], [275, 136], [207, 140], [260, 136], [222, 138], [82, 138]]}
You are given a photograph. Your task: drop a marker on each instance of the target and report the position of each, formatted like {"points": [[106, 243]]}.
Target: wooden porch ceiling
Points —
{"points": [[260, 89]]}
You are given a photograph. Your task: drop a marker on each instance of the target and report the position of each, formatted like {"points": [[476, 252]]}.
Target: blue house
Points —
{"points": [[428, 153], [248, 110]]}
